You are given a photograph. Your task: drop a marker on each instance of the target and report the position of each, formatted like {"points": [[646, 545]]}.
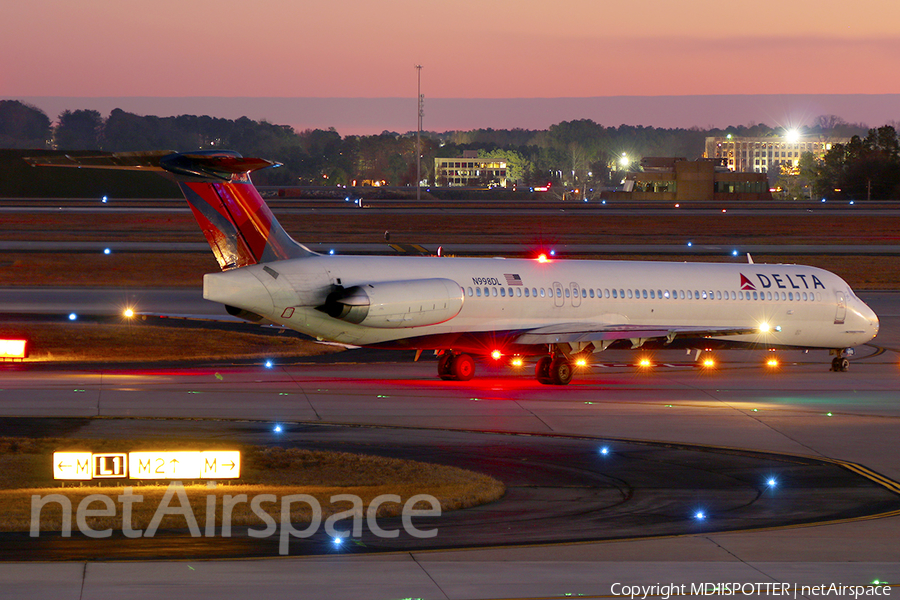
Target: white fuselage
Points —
{"points": [[801, 306]]}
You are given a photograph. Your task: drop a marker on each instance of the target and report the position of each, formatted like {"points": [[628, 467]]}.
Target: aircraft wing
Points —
{"points": [[596, 332]]}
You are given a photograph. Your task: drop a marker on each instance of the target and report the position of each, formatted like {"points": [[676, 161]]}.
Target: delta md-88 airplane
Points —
{"points": [[560, 310]]}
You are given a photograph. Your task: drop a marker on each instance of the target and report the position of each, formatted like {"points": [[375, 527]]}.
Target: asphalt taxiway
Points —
{"points": [[800, 410], [559, 489]]}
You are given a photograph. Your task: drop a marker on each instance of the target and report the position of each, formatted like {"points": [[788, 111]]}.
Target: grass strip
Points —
{"points": [[25, 470], [139, 342]]}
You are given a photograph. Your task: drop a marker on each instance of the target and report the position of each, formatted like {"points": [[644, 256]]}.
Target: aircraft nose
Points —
{"points": [[873, 322], [868, 317]]}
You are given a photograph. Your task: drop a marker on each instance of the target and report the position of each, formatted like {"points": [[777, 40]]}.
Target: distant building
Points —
{"points": [[680, 180], [765, 154], [470, 171]]}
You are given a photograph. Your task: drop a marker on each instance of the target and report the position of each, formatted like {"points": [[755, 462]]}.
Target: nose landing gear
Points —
{"points": [[841, 362]]}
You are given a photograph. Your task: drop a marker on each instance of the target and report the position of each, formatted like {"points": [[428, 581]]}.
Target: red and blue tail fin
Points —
{"points": [[240, 228]]}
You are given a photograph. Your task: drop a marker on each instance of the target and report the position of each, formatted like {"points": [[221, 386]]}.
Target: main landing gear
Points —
{"points": [[554, 370], [551, 370], [455, 367]]}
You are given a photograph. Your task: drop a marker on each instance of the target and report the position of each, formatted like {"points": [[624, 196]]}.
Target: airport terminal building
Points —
{"points": [[682, 180]]}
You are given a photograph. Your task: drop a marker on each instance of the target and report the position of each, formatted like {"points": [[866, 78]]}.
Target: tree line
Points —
{"points": [[571, 153], [864, 168]]}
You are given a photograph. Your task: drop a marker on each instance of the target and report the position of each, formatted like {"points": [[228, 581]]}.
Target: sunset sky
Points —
{"points": [[490, 49]]}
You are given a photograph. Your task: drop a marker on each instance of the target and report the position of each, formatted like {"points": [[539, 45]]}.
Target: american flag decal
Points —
{"points": [[513, 279]]}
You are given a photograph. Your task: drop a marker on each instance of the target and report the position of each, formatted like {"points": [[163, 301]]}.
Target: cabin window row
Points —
{"points": [[640, 294]]}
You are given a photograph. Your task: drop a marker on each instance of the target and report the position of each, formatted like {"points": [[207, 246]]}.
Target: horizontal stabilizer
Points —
{"points": [[219, 165], [120, 161]]}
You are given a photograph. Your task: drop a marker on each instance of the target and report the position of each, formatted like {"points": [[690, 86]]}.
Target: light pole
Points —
{"points": [[421, 111]]}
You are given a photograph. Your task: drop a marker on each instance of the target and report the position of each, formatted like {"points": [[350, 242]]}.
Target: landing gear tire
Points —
{"points": [[463, 367], [560, 371], [444, 364], [542, 370], [455, 367], [840, 364]]}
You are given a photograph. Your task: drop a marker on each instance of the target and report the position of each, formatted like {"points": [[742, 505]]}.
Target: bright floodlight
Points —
{"points": [[792, 135], [128, 313]]}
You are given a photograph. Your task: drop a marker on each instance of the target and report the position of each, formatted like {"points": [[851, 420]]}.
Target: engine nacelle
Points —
{"points": [[394, 304]]}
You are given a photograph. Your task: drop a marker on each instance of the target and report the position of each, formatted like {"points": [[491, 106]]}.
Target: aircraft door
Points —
{"points": [[841, 312], [576, 294], [557, 292]]}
